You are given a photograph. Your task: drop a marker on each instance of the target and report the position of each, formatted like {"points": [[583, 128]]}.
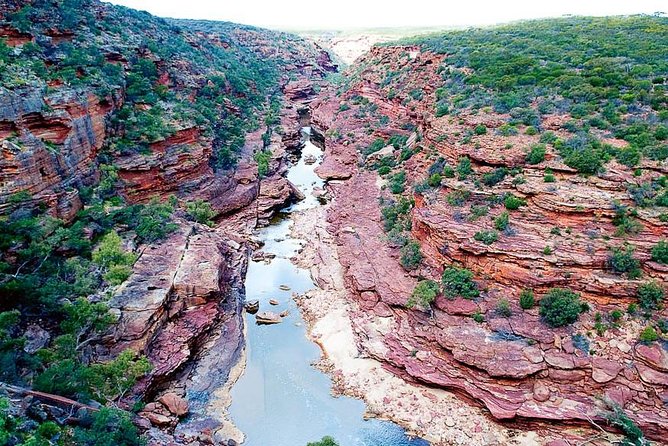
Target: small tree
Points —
{"points": [[648, 335], [560, 307]]}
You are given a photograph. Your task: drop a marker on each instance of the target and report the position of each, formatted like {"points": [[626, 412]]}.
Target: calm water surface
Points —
{"points": [[281, 400]]}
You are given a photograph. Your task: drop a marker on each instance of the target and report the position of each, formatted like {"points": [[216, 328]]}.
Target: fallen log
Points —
{"points": [[50, 398]]}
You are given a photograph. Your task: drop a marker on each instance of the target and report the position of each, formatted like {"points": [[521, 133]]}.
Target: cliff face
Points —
{"points": [[562, 235], [49, 146], [167, 104]]}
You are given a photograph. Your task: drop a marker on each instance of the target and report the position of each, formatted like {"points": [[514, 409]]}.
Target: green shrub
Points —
{"points": [[547, 250], [531, 130], [478, 317], [527, 299], [464, 168], [650, 295], [633, 436], [503, 308], [537, 154], [110, 252], [110, 427], [660, 252], [560, 306], [616, 315], [494, 177], [458, 197], [513, 203], [477, 212], [154, 222], [424, 294], [648, 335], [486, 237], [326, 441], [117, 274], [262, 159], [411, 256], [459, 282], [480, 129], [200, 211], [501, 222], [397, 182], [622, 261], [434, 180]]}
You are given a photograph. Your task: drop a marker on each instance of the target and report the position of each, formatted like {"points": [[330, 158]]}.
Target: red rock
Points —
{"points": [[604, 370], [541, 392], [175, 404]]}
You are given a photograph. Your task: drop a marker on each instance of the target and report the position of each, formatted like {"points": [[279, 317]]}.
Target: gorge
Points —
{"points": [[461, 238]]}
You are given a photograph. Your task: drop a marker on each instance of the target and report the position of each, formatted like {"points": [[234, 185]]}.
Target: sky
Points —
{"points": [[345, 14]]}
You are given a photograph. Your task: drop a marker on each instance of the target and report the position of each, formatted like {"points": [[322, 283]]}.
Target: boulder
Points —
{"points": [[252, 306], [175, 404], [267, 318]]}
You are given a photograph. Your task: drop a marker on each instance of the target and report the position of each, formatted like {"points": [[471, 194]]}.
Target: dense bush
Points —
{"points": [[503, 308], [560, 306], [262, 159], [648, 335], [397, 182], [464, 168], [458, 282], [494, 177], [622, 261], [536, 155]]}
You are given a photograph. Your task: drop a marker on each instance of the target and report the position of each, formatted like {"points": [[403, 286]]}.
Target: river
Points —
{"points": [[281, 399]]}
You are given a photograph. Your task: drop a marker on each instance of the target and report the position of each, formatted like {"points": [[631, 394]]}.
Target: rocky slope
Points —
{"points": [[563, 234]]}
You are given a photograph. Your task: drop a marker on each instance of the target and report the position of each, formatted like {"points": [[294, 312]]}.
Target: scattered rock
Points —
{"points": [[284, 313], [252, 306], [284, 288], [273, 302], [267, 318], [310, 159], [260, 256]]}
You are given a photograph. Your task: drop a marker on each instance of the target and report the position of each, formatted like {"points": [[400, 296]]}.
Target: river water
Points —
{"points": [[281, 399]]}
